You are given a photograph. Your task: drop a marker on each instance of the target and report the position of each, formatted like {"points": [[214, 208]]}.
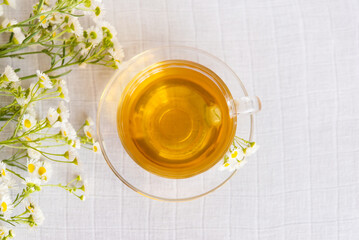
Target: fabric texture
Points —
{"points": [[302, 58]]}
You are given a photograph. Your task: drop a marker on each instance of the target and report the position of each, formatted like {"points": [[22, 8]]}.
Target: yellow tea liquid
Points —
{"points": [[173, 119]]}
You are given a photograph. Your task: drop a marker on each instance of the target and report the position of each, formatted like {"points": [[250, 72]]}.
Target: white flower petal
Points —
{"points": [[95, 35], [68, 131], [89, 132], [19, 37], [63, 111], [28, 121], [52, 116], [44, 80], [10, 74], [252, 150], [96, 147]]}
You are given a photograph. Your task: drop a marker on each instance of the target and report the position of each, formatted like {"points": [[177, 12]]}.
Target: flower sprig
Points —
{"points": [[58, 34], [38, 142], [34, 140], [236, 157]]}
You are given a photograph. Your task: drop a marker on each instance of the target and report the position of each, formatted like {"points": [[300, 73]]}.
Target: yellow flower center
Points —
{"points": [[2, 233], [95, 148], [3, 207], [27, 138], [226, 164], [42, 19], [65, 133], [42, 78], [88, 134], [53, 34], [234, 154], [31, 168], [27, 123], [3, 172], [42, 171], [30, 208]]}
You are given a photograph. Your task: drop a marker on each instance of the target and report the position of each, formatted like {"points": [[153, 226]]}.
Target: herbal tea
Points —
{"points": [[173, 119]]}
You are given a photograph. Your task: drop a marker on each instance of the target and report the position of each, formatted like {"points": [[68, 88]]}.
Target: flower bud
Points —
{"points": [[75, 161]]}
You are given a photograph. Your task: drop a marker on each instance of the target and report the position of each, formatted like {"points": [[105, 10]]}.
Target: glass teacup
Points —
{"points": [[167, 118]]}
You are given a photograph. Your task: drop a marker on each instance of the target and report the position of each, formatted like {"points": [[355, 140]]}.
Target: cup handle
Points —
{"points": [[247, 105]]}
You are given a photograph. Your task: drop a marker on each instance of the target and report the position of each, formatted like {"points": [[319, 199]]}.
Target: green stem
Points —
{"points": [[16, 174], [24, 53]]}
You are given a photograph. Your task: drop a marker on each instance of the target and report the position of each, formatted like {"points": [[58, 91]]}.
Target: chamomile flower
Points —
{"points": [[89, 122], [19, 37], [107, 28], [37, 217], [14, 85], [22, 101], [117, 52], [52, 116], [253, 147], [96, 147], [32, 181], [76, 143], [5, 23], [44, 19], [3, 172], [96, 9], [28, 121], [45, 81], [44, 170], [27, 137], [32, 165], [57, 18], [32, 152], [237, 154], [226, 163], [72, 155], [84, 48], [30, 205], [64, 112], [4, 231], [8, 182], [6, 206], [94, 35], [89, 132], [31, 110], [10, 75], [63, 90], [68, 131], [75, 26]]}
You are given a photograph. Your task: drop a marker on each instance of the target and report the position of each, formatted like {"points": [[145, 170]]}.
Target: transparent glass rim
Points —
{"points": [[98, 119]]}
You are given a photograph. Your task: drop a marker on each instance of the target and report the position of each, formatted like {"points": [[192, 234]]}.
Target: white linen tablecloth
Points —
{"points": [[302, 58]]}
